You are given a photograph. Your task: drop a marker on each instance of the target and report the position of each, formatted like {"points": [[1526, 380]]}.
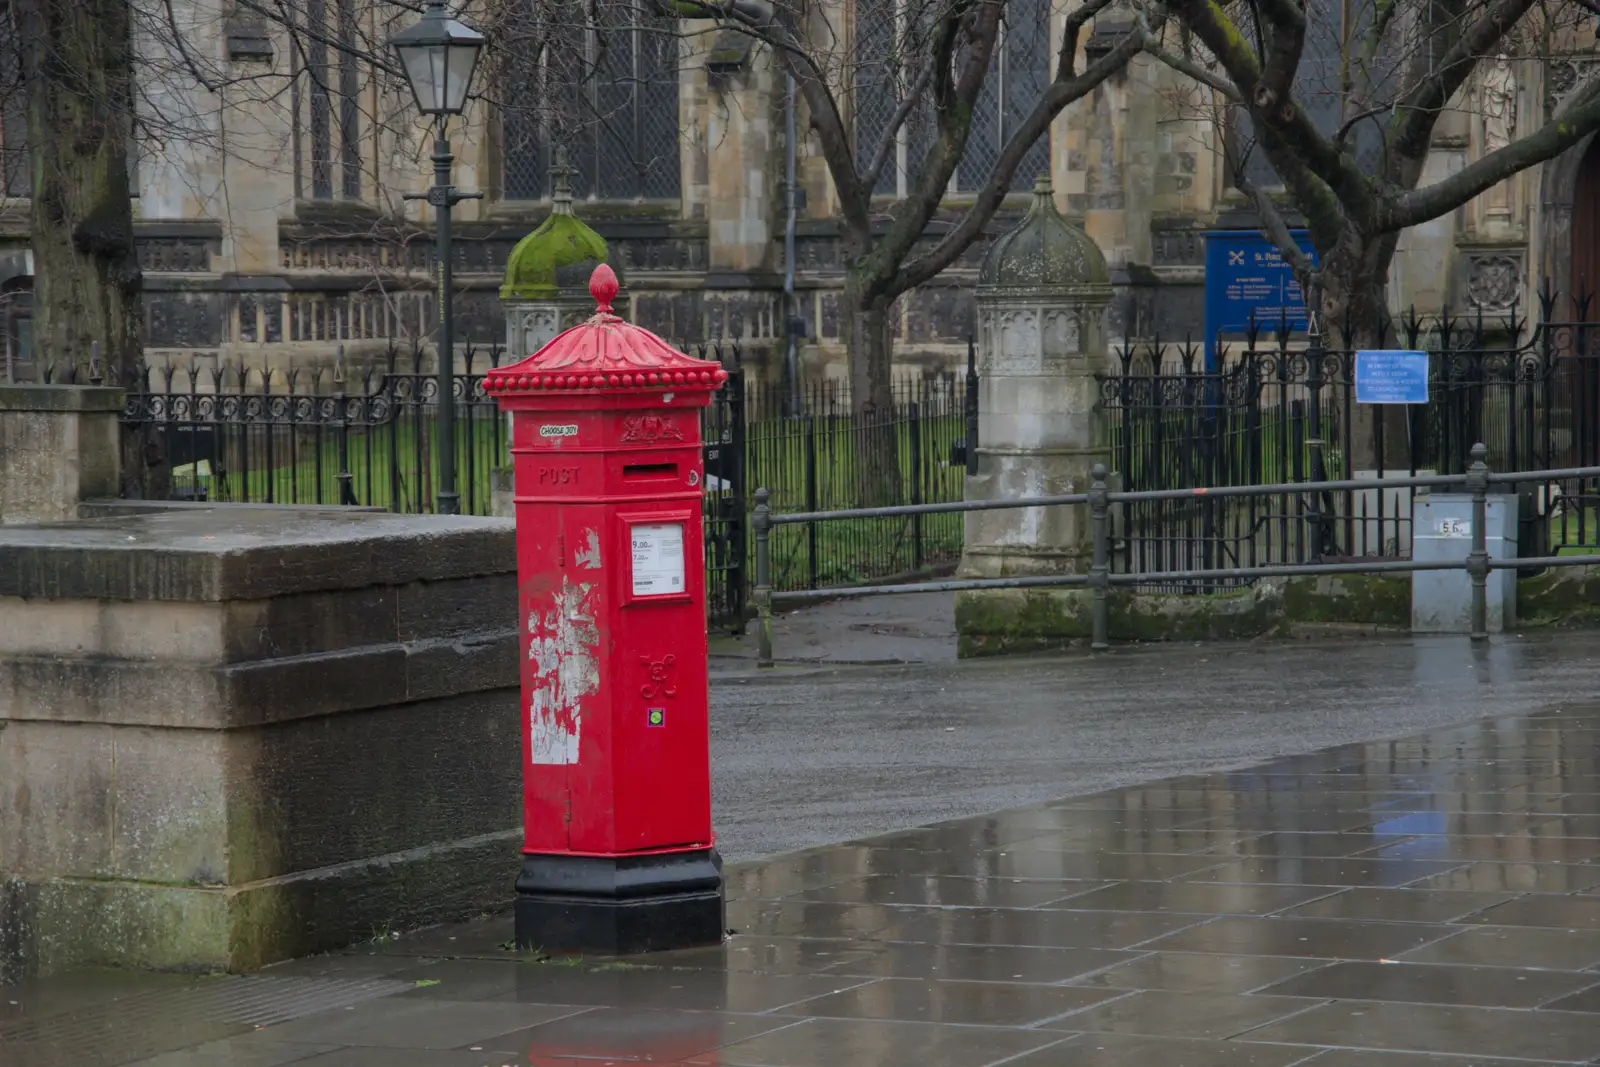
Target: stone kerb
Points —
{"points": [[58, 447], [230, 736]]}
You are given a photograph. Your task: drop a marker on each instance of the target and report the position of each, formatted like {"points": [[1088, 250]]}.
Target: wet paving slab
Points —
{"points": [[1427, 902]]}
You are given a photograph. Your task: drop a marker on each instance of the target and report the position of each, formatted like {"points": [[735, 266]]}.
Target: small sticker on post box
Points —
{"points": [[657, 559], [656, 717], [555, 430]]}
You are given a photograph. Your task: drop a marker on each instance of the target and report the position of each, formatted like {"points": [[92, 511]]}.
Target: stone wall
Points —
{"points": [[242, 267], [234, 734], [59, 445]]}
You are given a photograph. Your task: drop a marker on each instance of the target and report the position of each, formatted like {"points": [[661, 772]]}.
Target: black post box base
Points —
{"points": [[619, 904]]}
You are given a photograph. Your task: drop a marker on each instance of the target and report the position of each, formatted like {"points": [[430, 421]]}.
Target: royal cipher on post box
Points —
{"points": [[618, 853]]}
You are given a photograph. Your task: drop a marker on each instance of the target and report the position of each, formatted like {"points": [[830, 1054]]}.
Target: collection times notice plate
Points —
{"points": [[657, 559]]}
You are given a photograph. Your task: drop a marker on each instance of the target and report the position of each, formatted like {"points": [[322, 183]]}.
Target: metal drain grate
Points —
{"points": [[142, 1025]]}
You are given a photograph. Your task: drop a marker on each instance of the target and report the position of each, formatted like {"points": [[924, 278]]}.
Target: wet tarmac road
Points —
{"points": [[809, 757], [1433, 900]]}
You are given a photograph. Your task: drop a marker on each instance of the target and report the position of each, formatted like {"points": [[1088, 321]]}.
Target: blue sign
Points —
{"points": [[1391, 377], [1246, 275]]}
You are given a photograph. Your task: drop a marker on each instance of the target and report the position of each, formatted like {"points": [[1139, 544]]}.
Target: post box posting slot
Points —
{"points": [[638, 472]]}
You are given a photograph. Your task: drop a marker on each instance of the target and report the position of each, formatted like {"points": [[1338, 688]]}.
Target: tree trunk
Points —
{"points": [[1355, 313], [78, 78], [871, 356]]}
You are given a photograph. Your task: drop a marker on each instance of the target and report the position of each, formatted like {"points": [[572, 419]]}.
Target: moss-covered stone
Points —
{"points": [[991, 622], [999, 621], [559, 255], [1355, 599], [1224, 616], [994, 622], [1560, 597], [1044, 250]]}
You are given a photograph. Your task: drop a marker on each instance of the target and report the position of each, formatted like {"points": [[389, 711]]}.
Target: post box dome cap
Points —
{"points": [[605, 354]]}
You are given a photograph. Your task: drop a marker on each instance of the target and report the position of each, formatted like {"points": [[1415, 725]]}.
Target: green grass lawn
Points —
{"points": [[852, 551], [1575, 533], [813, 464], [1187, 449], [289, 467]]}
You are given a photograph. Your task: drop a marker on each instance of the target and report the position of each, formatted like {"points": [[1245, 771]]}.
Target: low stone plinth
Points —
{"points": [[1000, 621], [234, 735]]}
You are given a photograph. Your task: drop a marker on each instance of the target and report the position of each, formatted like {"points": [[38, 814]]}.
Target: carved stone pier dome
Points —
{"points": [[546, 287], [1044, 252], [1042, 296]]}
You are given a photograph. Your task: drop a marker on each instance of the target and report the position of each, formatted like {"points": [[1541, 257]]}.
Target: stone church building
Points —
{"points": [[273, 231]]}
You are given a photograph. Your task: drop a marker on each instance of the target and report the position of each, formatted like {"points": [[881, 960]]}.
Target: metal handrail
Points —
{"points": [[1099, 578]]}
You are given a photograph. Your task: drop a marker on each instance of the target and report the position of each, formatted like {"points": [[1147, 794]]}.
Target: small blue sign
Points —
{"points": [[1391, 377], [1246, 274]]}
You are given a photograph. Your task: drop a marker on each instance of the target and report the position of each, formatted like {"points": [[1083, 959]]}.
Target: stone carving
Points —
{"points": [[1174, 248], [1498, 102], [1062, 333], [529, 328], [174, 254], [473, 256], [1017, 337], [1494, 282], [1562, 77]]}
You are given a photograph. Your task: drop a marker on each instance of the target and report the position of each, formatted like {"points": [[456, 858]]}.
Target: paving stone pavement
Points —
{"points": [[1428, 902]]}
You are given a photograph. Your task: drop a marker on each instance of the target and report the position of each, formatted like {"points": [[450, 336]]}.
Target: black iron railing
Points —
{"points": [[1104, 504], [1285, 411], [365, 433]]}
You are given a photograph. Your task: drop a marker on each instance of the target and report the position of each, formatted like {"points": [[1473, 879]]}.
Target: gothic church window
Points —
{"points": [[326, 98], [15, 176], [604, 85], [890, 45]]}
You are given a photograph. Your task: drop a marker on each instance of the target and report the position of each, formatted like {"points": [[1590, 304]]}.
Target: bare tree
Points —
{"points": [[1341, 101], [936, 62], [98, 70]]}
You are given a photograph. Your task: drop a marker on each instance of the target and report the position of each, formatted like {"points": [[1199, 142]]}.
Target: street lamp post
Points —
{"points": [[438, 56]]}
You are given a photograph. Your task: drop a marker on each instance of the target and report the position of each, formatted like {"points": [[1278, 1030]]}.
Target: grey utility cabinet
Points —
{"points": [[1441, 531]]}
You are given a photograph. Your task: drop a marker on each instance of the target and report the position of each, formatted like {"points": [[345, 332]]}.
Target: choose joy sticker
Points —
{"points": [[553, 430]]}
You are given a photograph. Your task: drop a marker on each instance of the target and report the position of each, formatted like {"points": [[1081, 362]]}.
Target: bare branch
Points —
{"points": [[758, 19], [1194, 70], [1063, 91], [1067, 59], [880, 158], [1434, 86], [1304, 158], [1571, 125], [1271, 219], [183, 50]]}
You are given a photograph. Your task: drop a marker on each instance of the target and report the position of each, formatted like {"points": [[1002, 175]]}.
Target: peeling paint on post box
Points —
{"points": [[564, 644], [589, 554]]}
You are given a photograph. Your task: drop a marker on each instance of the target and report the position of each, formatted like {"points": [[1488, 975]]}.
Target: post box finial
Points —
{"points": [[603, 287]]}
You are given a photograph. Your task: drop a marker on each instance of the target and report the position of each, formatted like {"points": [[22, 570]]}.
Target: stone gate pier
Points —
{"points": [[1042, 296]]}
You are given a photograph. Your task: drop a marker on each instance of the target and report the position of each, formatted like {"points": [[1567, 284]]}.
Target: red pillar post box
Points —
{"points": [[618, 853]]}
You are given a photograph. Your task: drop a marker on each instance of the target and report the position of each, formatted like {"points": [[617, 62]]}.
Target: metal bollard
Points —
{"points": [[761, 521], [1099, 566], [1478, 558]]}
